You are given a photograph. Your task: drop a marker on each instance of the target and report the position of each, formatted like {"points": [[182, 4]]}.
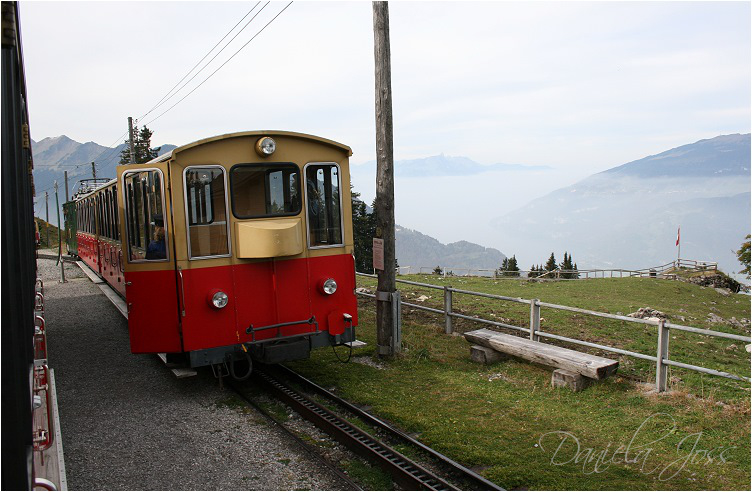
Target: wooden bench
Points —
{"points": [[573, 369]]}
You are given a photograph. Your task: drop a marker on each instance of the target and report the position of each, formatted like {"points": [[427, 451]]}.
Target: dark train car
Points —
{"points": [[69, 222], [18, 266]]}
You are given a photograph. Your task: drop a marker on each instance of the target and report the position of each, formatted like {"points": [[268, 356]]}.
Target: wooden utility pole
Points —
{"points": [[66, 186], [47, 208], [387, 299], [130, 140]]}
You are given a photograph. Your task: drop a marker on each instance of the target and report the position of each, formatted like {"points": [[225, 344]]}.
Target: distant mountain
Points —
{"points": [[444, 165], [55, 155], [628, 216], [726, 155], [415, 250]]}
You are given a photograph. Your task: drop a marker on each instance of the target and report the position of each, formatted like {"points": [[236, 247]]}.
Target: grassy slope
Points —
{"points": [[53, 233], [498, 418]]}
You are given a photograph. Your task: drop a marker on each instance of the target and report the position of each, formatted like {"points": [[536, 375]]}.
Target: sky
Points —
{"points": [[577, 86]]}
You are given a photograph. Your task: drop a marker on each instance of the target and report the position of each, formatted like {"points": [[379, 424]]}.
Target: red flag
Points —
{"points": [[678, 232]]}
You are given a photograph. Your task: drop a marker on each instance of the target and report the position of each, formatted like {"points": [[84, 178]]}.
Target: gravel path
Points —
{"points": [[129, 424]]}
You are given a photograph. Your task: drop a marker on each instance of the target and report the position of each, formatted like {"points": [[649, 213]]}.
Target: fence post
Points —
{"points": [[661, 370], [448, 327], [534, 320]]}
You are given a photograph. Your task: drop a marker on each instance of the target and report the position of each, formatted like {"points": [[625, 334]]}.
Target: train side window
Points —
{"points": [[265, 190], [115, 215], [108, 207], [106, 211], [147, 233], [104, 220], [324, 205], [206, 209]]}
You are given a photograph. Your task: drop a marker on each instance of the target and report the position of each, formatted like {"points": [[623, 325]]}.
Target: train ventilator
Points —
{"points": [[232, 245]]}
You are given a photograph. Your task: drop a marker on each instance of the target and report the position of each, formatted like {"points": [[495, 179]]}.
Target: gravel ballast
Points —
{"points": [[128, 424]]}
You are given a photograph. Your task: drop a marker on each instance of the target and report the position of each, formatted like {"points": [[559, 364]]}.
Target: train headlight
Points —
{"points": [[266, 146], [329, 286], [218, 299]]}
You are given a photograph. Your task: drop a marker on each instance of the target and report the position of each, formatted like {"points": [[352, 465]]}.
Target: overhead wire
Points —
{"points": [[208, 63], [222, 65], [170, 94], [165, 98]]}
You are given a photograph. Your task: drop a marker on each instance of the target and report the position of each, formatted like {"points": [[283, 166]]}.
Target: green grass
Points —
{"points": [[43, 233], [684, 303], [506, 419]]}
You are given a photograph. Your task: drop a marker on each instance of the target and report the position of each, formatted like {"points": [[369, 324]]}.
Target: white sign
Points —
{"points": [[378, 254]]}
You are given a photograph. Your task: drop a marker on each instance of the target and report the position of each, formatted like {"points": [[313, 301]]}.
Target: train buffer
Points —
{"points": [[572, 369]]}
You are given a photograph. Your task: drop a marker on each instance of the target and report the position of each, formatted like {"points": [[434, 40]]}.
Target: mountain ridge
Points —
{"points": [[415, 249], [603, 218]]}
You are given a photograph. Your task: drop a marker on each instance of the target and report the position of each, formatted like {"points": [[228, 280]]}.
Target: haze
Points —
{"points": [[577, 86]]}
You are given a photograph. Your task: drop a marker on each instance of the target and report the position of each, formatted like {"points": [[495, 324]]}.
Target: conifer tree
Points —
{"points": [[364, 229], [141, 147], [504, 267], [567, 266], [743, 254], [513, 269], [550, 264]]}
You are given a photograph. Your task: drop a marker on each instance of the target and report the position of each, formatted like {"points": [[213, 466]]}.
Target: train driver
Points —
{"points": [[157, 249]]}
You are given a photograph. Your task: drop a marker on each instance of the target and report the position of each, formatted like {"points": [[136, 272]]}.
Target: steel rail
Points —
{"points": [[404, 471], [468, 475], [318, 456]]}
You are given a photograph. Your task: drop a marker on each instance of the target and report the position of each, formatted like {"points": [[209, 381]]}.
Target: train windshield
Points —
{"points": [[265, 190], [324, 208]]}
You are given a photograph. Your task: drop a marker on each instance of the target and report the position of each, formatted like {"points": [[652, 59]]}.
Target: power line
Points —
{"points": [[214, 57], [223, 64], [113, 147], [160, 102]]}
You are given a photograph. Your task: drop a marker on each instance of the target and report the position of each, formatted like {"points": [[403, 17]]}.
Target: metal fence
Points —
{"points": [[656, 271], [660, 359]]}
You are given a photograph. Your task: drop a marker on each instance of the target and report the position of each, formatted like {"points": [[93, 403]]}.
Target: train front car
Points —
{"points": [[242, 241]]}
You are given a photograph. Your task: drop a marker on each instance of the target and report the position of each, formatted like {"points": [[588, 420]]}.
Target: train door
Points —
{"points": [[205, 267], [151, 290]]}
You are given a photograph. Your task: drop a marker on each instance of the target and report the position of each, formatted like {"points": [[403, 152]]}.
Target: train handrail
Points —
{"points": [[310, 321], [44, 483], [182, 291], [43, 439]]}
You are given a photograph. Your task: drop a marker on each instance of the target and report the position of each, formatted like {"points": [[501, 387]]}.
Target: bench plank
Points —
{"points": [[590, 366]]}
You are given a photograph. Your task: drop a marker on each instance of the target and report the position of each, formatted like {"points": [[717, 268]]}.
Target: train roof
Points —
{"points": [[78, 195], [168, 155]]}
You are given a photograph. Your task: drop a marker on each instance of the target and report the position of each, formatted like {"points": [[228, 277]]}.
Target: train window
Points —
{"points": [[265, 190], [102, 215], [108, 213], [324, 207], [147, 234], [116, 212], [206, 209]]}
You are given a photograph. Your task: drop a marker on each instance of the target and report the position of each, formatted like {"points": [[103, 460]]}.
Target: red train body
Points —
{"points": [[232, 243]]}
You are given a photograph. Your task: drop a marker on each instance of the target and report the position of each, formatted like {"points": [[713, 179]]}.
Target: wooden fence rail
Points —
{"points": [[593, 273], [663, 330]]}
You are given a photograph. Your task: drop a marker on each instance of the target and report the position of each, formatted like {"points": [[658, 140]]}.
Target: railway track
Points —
{"points": [[405, 472], [318, 457]]}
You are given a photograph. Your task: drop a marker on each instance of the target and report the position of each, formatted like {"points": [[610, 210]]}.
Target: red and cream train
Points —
{"points": [[240, 242]]}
